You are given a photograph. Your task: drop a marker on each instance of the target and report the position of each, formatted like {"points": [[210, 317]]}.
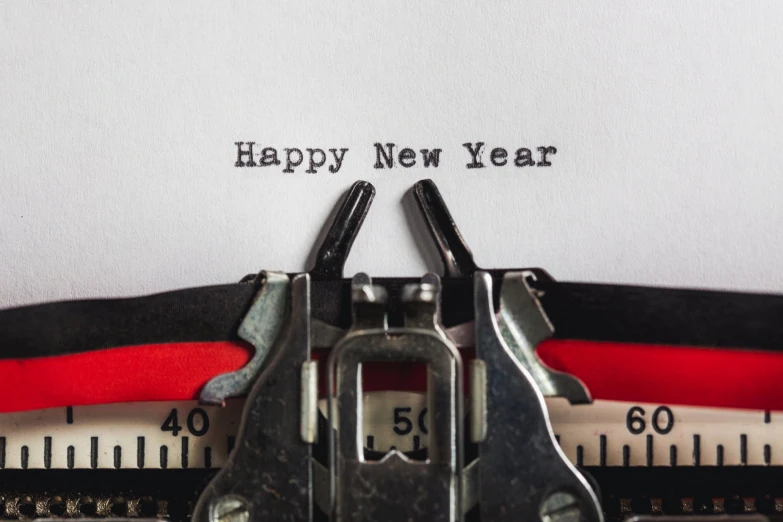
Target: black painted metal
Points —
{"points": [[336, 246], [454, 252]]}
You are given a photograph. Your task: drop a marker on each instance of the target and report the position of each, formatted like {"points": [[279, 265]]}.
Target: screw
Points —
{"points": [[364, 292], [560, 507], [369, 294], [419, 293], [230, 509]]}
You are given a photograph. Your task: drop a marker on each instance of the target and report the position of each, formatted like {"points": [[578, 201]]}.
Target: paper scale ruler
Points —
{"points": [[184, 434]]}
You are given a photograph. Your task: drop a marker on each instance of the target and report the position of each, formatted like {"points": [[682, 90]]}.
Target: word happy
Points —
{"points": [[387, 156]]}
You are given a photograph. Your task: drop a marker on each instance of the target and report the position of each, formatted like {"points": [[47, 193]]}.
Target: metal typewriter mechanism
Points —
{"points": [[492, 395]]}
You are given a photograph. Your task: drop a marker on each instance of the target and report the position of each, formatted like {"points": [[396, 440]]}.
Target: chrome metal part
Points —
{"points": [[524, 324], [271, 466], [309, 406], [230, 508], [478, 400], [369, 303], [469, 484], [520, 463], [260, 327], [324, 335], [560, 506], [321, 487], [396, 488]]}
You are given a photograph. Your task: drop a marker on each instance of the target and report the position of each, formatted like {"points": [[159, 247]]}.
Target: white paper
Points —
{"points": [[118, 122]]}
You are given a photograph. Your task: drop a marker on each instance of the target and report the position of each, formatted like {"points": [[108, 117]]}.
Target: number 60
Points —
{"points": [[636, 424]]}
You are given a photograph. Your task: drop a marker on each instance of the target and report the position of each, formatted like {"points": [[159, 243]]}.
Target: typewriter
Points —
{"points": [[474, 394]]}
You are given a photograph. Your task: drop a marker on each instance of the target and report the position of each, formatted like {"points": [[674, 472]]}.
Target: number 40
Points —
{"points": [[172, 424]]}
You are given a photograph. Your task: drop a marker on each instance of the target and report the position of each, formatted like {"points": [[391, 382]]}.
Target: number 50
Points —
{"points": [[404, 425]]}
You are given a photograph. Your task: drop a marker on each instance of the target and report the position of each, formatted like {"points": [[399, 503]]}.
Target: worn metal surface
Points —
{"points": [[396, 488], [520, 462], [260, 327], [524, 325], [270, 468]]}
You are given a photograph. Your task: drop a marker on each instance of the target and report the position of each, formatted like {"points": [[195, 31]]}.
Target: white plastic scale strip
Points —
{"points": [[185, 434]]}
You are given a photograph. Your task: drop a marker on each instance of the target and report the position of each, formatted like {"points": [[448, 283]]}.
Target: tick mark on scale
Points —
{"points": [[94, 452], [184, 453], [140, 452], [69, 457], [47, 452], [164, 457], [744, 449], [69, 415], [117, 457]]}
